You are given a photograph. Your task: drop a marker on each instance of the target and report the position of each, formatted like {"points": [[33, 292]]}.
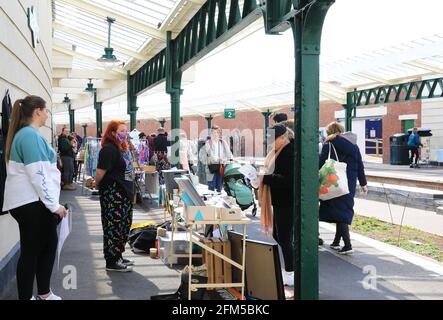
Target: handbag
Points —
{"points": [[333, 180], [213, 168]]}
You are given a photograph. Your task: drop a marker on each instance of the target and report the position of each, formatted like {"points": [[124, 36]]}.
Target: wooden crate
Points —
{"points": [[218, 270]]}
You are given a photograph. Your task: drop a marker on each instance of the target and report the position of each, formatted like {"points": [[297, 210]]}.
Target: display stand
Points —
{"points": [[195, 237]]}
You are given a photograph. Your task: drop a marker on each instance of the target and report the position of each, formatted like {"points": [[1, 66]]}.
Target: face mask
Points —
{"points": [[122, 136]]}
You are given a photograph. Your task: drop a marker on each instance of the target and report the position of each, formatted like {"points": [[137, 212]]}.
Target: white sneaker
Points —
{"points": [[288, 278], [50, 297]]}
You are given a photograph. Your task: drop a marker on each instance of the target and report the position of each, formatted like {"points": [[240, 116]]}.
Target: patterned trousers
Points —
{"points": [[116, 211]]}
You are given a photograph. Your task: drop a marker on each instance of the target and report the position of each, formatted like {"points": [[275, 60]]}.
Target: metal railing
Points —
{"points": [[378, 146]]}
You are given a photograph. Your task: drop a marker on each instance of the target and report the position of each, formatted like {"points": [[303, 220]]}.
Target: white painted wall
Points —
{"points": [[432, 118], [24, 70], [359, 128]]}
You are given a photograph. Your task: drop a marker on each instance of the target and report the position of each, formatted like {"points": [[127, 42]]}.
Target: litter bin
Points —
{"points": [[399, 149]]}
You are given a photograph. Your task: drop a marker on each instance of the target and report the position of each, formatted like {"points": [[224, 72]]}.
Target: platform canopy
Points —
{"points": [[251, 71], [81, 34]]}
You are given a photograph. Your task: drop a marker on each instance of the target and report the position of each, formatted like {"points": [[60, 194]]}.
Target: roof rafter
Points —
{"points": [[95, 40], [120, 18]]}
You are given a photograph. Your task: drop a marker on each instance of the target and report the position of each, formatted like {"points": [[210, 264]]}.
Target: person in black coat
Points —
{"points": [[340, 210], [161, 142], [281, 188]]}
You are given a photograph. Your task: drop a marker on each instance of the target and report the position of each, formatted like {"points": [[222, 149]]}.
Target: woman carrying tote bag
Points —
{"points": [[340, 210]]}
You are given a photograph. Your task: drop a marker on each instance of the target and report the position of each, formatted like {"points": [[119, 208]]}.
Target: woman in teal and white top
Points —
{"points": [[32, 193]]}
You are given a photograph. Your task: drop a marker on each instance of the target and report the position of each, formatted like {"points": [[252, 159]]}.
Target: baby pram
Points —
{"points": [[236, 185]]}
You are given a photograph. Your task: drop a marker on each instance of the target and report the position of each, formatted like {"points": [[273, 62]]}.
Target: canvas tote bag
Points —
{"points": [[333, 181]]}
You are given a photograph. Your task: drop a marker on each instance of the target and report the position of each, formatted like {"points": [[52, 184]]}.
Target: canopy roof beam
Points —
{"points": [[132, 23]]}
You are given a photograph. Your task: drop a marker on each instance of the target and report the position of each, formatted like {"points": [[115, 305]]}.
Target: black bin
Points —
{"points": [[399, 149]]}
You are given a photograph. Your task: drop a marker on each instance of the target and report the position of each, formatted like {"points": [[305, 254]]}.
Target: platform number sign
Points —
{"points": [[229, 113], [33, 25]]}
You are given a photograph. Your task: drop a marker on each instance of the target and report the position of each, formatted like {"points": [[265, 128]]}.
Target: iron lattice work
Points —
{"points": [[403, 92], [212, 25], [415, 90]]}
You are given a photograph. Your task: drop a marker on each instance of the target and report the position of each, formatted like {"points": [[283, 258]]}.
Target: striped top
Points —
{"points": [[32, 172]]}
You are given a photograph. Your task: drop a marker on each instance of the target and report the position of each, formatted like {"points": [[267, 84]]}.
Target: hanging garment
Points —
{"points": [[6, 113], [143, 153], [2, 170], [92, 150]]}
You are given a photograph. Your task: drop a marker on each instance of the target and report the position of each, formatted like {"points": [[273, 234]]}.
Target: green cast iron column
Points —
{"points": [[173, 88], [84, 130], [99, 117], [98, 114], [132, 102], [175, 126], [349, 108], [71, 118], [209, 120], [266, 114], [307, 28]]}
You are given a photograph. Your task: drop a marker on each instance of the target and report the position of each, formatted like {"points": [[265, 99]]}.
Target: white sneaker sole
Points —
{"points": [[128, 269], [336, 248], [346, 252]]}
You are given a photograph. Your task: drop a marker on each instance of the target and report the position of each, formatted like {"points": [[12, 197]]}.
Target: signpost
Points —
{"points": [[229, 113]]}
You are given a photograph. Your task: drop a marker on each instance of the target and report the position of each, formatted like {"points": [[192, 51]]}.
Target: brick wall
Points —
{"points": [[254, 120], [392, 125], [327, 112]]}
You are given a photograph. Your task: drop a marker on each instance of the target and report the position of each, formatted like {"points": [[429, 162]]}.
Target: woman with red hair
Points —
{"points": [[116, 188]]}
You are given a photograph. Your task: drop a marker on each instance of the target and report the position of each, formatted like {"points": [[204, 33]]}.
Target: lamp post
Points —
{"points": [[108, 58], [67, 103]]}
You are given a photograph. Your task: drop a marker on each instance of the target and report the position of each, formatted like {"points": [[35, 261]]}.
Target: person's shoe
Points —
{"points": [[50, 297], [69, 187], [411, 166], [334, 246], [127, 262], [417, 166], [346, 251], [118, 267], [320, 241], [288, 278]]}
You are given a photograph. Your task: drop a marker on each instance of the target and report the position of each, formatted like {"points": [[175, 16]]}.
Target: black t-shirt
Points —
{"points": [[111, 159]]}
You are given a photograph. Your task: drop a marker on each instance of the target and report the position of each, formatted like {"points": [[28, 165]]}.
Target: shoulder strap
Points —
{"points": [[335, 151]]}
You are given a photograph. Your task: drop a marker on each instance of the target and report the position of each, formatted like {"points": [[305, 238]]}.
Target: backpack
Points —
{"points": [[143, 239]]}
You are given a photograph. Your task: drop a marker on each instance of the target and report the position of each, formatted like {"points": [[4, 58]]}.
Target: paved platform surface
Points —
{"points": [[398, 274], [424, 173]]}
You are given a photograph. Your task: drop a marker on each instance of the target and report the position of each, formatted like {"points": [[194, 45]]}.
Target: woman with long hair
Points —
{"points": [[32, 193], [116, 188]]}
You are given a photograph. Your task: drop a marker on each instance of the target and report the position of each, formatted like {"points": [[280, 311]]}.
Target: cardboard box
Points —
{"points": [[181, 246], [149, 168], [230, 214], [199, 213]]}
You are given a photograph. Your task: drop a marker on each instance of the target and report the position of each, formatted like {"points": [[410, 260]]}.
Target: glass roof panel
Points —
{"points": [[150, 12], [85, 47], [89, 23]]}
